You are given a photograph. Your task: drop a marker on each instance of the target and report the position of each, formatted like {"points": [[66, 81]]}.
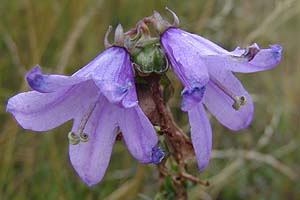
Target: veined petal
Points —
{"points": [[44, 111], [47, 83], [187, 66], [201, 135], [90, 159], [139, 135], [112, 72], [251, 59], [220, 104]]}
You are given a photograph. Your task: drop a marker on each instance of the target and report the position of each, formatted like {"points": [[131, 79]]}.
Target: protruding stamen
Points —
{"points": [[106, 42], [85, 118], [83, 137], [238, 100], [175, 18], [73, 138]]}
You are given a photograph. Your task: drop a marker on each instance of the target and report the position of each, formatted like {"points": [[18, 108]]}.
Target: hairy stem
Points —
{"points": [[178, 143]]}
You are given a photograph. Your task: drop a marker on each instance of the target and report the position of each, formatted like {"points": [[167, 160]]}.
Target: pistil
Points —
{"points": [[238, 100], [75, 138]]}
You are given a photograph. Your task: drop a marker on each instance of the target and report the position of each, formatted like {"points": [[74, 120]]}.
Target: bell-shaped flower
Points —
{"points": [[205, 70], [100, 98]]}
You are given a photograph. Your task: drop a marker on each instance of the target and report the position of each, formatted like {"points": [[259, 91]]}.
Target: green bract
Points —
{"points": [[150, 59]]}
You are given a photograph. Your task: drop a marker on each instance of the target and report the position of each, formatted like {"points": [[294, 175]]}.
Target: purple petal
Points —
{"points": [[186, 64], [194, 42], [124, 95], [44, 111], [239, 60], [112, 72], [191, 98], [157, 155], [201, 135], [220, 104], [46, 83], [90, 159], [139, 134], [247, 60]]}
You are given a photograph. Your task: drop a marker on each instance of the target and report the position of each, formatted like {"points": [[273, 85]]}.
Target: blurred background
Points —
{"points": [[261, 162]]}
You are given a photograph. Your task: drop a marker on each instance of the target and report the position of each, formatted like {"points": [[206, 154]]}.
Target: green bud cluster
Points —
{"points": [[150, 59]]}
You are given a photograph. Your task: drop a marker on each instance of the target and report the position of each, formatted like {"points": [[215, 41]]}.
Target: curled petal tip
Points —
{"points": [[157, 155], [276, 47], [35, 78], [175, 18], [277, 50], [37, 66], [107, 44], [35, 69]]}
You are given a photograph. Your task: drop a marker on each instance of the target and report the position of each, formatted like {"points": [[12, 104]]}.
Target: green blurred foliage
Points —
{"points": [[63, 35]]}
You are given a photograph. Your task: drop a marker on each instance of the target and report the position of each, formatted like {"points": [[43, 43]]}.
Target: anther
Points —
{"points": [[83, 137], [238, 100], [243, 100], [73, 138]]}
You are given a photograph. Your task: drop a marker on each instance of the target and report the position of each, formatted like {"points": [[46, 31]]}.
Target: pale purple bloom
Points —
{"points": [[100, 97], [204, 68]]}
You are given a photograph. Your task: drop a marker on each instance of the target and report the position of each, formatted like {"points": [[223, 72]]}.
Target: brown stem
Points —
{"points": [[179, 144], [194, 179]]}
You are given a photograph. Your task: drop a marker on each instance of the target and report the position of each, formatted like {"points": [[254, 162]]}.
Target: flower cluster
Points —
{"points": [[101, 97]]}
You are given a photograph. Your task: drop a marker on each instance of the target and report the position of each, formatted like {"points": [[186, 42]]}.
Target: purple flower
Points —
{"points": [[204, 68], [100, 97]]}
